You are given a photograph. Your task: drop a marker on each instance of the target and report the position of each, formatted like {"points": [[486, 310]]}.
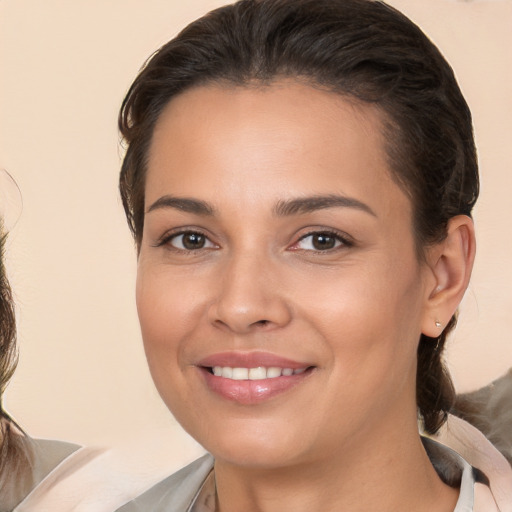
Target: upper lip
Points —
{"points": [[238, 359]]}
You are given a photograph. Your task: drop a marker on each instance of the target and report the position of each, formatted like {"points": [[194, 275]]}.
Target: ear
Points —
{"points": [[450, 263]]}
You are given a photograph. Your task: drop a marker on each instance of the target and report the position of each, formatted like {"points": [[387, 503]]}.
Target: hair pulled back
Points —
{"points": [[362, 49]]}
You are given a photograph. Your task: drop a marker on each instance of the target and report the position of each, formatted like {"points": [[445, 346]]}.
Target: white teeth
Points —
{"points": [[240, 374], [227, 372], [258, 373], [273, 372]]}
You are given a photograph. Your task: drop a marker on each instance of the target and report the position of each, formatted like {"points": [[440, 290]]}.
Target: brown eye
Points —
{"points": [[193, 241], [321, 241], [190, 241]]}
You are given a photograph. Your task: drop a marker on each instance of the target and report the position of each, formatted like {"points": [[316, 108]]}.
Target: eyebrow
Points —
{"points": [[312, 203], [283, 208], [184, 204]]}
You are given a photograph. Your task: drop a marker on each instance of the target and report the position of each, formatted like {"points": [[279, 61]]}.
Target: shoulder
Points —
{"points": [[48, 454], [471, 444], [41, 457], [480, 491], [176, 492], [454, 471]]}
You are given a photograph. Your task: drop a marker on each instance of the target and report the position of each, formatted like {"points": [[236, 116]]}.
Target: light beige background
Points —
{"points": [[64, 67]]}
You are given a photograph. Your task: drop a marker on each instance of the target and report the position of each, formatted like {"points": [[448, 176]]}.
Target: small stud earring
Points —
{"points": [[438, 324]]}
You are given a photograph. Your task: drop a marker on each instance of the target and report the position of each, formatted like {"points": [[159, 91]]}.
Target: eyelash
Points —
{"points": [[341, 239], [168, 237]]}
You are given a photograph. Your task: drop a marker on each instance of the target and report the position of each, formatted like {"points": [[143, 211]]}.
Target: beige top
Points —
{"points": [[46, 455]]}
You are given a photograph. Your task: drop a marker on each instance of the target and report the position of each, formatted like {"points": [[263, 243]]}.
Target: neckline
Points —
{"points": [[449, 465]]}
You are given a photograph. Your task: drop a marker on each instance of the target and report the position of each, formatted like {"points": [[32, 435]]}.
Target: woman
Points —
{"points": [[24, 462], [41, 474], [299, 179]]}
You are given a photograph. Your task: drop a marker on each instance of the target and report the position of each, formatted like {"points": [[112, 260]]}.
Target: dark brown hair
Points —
{"points": [[363, 49]]}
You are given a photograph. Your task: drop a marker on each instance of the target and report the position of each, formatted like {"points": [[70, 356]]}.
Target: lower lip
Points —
{"points": [[248, 392]]}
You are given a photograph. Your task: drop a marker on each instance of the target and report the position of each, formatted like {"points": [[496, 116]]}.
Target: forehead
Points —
{"points": [[294, 137]]}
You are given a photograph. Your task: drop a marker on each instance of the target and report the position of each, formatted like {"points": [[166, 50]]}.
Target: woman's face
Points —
{"points": [[276, 242]]}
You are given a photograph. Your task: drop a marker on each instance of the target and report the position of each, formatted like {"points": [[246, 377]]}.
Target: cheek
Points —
{"points": [[165, 317], [355, 301], [370, 319], [167, 303], [165, 320]]}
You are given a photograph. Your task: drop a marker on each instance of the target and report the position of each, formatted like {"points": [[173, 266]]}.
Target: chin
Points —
{"points": [[256, 455], [252, 443]]}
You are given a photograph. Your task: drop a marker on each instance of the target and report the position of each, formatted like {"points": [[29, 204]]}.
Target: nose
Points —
{"points": [[249, 297]]}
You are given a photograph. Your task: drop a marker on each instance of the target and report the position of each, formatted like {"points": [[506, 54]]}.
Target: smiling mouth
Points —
{"points": [[258, 373], [251, 386]]}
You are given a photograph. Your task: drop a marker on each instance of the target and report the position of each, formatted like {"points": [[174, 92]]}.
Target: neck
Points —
{"points": [[389, 473]]}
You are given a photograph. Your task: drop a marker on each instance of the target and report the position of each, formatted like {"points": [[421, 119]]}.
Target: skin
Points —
{"points": [[354, 312]]}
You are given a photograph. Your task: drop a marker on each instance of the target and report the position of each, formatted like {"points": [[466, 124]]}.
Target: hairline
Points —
{"points": [[389, 128]]}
